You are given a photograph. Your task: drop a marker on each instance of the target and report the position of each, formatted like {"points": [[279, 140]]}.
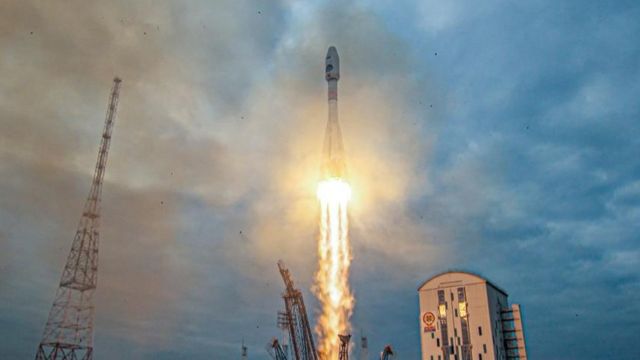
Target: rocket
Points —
{"points": [[333, 161]]}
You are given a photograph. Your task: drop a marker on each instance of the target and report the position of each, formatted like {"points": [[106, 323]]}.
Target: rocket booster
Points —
{"points": [[333, 162]]}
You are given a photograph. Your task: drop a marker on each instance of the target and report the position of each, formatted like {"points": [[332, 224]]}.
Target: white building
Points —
{"points": [[466, 317]]}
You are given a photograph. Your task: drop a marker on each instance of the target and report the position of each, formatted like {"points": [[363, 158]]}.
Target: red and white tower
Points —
{"points": [[69, 330]]}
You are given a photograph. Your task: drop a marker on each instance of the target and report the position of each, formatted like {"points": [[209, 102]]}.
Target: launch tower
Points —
{"points": [[68, 333], [302, 344]]}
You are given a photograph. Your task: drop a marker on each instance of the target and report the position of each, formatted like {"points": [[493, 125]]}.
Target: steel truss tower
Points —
{"points": [[244, 351], [364, 348], [387, 353], [275, 350], [68, 333], [344, 347], [302, 345]]}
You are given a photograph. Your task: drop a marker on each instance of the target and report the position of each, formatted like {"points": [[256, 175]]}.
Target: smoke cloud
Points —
{"points": [[472, 141]]}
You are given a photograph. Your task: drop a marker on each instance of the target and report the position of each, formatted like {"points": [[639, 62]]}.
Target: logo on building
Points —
{"points": [[429, 322]]}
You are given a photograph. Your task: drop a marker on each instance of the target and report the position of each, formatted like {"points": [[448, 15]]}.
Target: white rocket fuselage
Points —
{"points": [[333, 153]]}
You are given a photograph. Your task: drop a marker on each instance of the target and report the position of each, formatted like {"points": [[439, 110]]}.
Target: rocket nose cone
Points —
{"points": [[332, 64], [332, 51]]}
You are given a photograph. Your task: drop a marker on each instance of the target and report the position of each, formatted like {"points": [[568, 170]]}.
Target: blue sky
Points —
{"points": [[499, 137]]}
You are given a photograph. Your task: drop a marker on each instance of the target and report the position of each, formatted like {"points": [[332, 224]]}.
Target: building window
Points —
{"points": [[442, 304], [458, 341], [432, 357], [455, 356], [442, 310], [480, 330], [438, 342], [456, 312], [439, 358], [451, 296], [479, 357], [484, 348], [455, 332], [432, 335], [463, 308]]}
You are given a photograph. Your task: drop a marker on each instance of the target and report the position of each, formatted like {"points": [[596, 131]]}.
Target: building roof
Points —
{"points": [[480, 277]]}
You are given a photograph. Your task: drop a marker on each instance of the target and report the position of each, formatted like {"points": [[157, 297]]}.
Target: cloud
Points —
{"points": [[498, 138], [214, 157]]}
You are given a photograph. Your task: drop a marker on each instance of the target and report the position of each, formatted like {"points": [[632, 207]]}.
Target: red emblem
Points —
{"points": [[428, 318]]}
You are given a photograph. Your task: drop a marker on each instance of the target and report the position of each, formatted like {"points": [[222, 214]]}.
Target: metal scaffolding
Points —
{"points": [[295, 316]]}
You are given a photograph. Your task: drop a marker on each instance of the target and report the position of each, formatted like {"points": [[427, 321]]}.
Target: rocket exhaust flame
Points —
{"points": [[334, 254], [334, 250]]}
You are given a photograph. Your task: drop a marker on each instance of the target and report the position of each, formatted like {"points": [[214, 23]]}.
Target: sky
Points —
{"points": [[499, 137]]}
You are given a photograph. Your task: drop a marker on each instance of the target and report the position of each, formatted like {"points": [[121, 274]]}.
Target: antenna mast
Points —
{"points": [[68, 333]]}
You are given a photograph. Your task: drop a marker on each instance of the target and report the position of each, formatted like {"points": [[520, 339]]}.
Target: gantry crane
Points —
{"points": [[302, 344]]}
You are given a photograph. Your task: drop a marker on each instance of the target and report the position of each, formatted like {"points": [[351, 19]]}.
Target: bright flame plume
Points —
{"points": [[332, 278]]}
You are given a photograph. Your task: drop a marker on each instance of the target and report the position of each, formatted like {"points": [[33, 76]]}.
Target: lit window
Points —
{"points": [[442, 304], [463, 308]]}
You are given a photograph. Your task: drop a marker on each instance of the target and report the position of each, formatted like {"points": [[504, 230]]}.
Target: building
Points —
{"points": [[464, 316]]}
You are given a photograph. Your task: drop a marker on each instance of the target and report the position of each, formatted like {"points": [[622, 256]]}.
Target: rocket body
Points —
{"points": [[333, 162], [334, 250]]}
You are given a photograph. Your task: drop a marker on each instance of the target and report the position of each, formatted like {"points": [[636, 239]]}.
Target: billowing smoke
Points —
{"points": [[214, 162]]}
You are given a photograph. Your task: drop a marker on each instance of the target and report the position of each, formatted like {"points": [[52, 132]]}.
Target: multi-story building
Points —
{"points": [[464, 316]]}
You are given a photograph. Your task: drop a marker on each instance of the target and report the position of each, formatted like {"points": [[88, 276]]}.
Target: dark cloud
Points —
{"points": [[529, 170]]}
